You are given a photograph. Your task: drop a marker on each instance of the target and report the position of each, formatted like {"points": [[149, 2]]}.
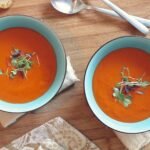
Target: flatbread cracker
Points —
{"points": [[56, 134]]}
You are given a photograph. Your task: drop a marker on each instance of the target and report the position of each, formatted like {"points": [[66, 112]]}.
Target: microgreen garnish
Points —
{"points": [[122, 90], [1, 72], [20, 63]]}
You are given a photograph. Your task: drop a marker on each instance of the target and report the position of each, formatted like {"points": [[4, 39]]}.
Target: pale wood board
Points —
{"points": [[81, 34]]}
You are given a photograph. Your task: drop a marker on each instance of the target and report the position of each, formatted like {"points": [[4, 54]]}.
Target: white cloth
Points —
{"points": [[139, 141], [8, 118]]}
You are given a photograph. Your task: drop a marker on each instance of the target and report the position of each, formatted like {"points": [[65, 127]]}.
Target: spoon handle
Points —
{"points": [[127, 17], [146, 22]]}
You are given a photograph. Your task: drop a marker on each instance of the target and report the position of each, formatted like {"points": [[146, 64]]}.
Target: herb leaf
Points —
{"points": [[127, 102], [1, 72]]}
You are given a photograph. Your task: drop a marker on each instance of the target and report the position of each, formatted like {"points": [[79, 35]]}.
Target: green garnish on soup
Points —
{"points": [[122, 91]]}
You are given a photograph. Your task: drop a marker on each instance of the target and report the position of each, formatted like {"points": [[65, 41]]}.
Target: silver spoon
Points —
{"points": [[75, 6]]}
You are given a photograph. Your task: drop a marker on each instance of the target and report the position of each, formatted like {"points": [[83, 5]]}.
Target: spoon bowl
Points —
{"points": [[68, 6]]}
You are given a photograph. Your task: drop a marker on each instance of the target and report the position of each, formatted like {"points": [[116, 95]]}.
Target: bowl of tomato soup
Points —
{"points": [[117, 84], [32, 64]]}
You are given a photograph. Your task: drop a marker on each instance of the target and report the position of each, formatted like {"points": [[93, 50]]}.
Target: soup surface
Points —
{"points": [[107, 74], [39, 78]]}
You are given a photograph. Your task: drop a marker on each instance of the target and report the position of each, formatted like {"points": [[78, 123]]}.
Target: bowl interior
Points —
{"points": [[123, 42], [31, 23]]}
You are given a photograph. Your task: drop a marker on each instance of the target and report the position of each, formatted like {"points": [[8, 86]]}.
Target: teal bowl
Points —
{"points": [[34, 24], [122, 42]]}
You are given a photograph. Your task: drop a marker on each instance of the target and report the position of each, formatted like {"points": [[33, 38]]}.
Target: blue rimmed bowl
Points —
{"points": [[36, 25], [122, 42]]}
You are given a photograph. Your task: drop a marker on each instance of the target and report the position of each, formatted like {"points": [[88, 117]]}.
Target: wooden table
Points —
{"points": [[81, 34]]}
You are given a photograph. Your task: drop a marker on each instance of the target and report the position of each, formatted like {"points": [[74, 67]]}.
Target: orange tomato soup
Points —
{"points": [[39, 77], [107, 74]]}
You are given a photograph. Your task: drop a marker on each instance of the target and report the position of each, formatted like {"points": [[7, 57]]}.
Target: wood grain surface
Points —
{"points": [[81, 34]]}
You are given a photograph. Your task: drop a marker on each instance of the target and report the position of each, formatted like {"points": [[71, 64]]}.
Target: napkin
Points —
{"points": [[56, 134], [139, 141], [8, 118]]}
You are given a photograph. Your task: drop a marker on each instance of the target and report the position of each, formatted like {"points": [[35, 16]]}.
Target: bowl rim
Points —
{"points": [[51, 31], [128, 131]]}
